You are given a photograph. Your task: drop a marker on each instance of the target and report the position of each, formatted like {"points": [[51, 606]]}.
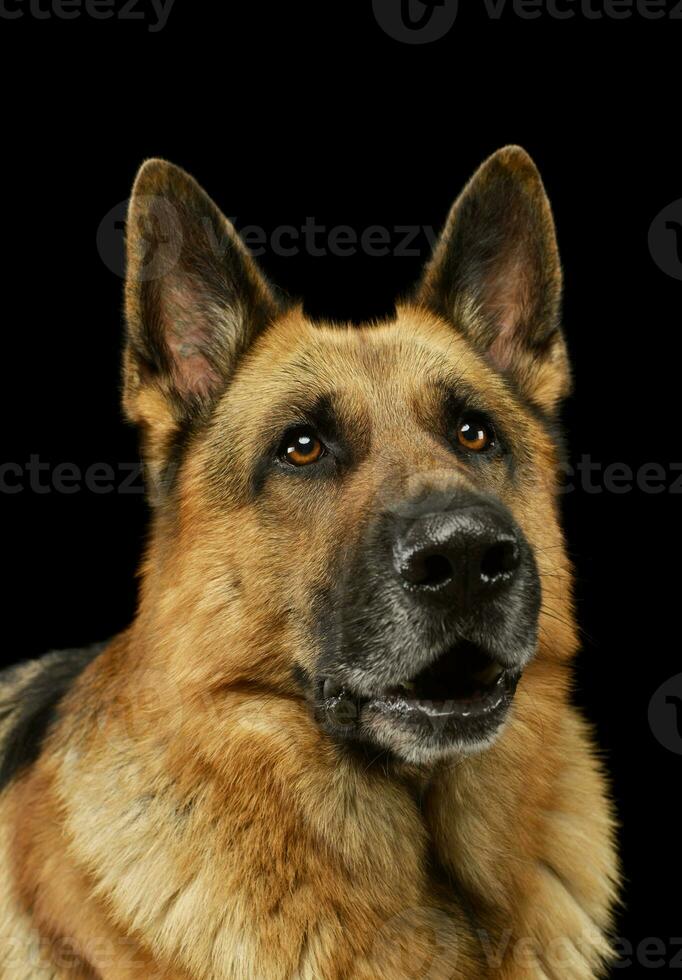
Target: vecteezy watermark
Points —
{"points": [[564, 952], [422, 21], [311, 237], [652, 953], [416, 21], [154, 13], [665, 714], [420, 941], [587, 9], [665, 239], [40, 477], [588, 476], [423, 941], [36, 955], [592, 476]]}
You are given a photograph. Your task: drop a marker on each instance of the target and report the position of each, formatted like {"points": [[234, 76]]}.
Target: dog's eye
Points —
{"points": [[301, 447], [475, 434]]}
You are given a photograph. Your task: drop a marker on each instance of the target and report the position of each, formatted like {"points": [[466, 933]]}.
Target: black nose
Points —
{"points": [[465, 554]]}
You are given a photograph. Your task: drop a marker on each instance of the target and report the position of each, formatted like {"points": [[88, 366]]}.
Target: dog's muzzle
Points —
{"points": [[427, 636]]}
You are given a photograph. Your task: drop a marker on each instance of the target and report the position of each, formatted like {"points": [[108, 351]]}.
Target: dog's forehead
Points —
{"points": [[389, 359]]}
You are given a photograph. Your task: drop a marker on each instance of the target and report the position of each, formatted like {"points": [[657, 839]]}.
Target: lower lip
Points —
{"points": [[485, 706], [463, 721]]}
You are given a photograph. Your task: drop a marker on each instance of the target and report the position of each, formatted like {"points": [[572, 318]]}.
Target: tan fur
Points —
{"points": [[187, 818]]}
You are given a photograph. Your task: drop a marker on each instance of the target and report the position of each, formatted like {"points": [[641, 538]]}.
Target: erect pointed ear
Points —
{"points": [[194, 302], [495, 273]]}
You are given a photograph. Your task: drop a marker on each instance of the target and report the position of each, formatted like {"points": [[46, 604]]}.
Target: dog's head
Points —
{"points": [[363, 518]]}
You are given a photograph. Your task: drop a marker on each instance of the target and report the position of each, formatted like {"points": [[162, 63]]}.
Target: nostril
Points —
{"points": [[427, 571], [499, 561]]}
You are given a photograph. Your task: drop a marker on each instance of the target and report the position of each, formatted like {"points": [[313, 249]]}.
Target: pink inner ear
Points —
{"points": [[507, 297], [192, 371], [188, 337], [501, 351]]}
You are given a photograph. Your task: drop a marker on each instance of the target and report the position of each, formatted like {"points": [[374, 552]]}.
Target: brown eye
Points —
{"points": [[302, 447], [475, 434]]}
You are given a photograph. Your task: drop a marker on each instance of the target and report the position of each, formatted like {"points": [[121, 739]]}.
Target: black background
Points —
{"points": [[289, 110]]}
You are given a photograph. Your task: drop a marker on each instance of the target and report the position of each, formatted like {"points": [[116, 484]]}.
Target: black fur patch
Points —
{"points": [[35, 707]]}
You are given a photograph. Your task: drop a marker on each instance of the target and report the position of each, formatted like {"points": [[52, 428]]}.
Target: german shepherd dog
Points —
{"points": [[337, 741]]}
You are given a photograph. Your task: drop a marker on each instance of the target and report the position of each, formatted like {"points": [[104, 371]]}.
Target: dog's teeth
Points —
{"points": [[331, 689]]}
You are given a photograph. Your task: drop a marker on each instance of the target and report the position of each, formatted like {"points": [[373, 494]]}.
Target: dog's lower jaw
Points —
{"points": [[411, 748], [419, 721], [421, 741]]}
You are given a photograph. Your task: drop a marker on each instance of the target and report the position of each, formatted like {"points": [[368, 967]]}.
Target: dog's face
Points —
{"points": [[363, 517]]}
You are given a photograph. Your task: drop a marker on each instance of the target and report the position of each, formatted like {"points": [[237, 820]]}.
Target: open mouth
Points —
{"points": [[462, 695], [463, 681]]}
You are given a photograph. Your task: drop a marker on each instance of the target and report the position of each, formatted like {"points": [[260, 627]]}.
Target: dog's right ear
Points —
{"points": [[195, 300]]}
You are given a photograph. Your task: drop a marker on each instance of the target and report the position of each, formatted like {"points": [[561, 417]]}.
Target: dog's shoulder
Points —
{"points": [[30, 694]]}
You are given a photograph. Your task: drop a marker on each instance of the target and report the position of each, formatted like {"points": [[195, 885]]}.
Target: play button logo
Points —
{"points": [[416, 21]]}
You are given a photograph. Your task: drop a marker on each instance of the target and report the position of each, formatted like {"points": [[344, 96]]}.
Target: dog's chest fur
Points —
{"points": [[354, 873]]}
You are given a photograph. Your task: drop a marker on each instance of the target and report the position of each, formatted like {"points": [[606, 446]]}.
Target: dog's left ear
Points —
{"points": [[495, 274]]}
